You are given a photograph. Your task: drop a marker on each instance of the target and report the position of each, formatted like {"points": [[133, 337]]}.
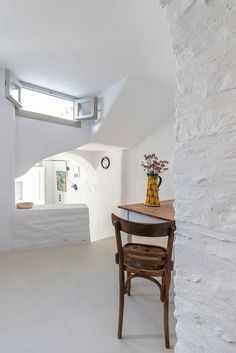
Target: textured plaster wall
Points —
{"points": [[204, 37], [51, 225]]}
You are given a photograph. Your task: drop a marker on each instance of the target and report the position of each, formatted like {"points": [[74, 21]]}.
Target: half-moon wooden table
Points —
{"points": [[145, 214]]}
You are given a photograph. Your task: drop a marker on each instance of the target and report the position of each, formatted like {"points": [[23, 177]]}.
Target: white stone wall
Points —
{"points": [[204, 42], [50, 225]]}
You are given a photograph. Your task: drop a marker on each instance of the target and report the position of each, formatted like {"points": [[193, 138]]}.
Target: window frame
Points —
{"points": [[93, 111], [9, 78], [46, 117]]}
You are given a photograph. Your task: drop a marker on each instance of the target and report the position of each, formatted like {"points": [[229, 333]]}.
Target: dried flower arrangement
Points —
{"points": [[152, 165]]}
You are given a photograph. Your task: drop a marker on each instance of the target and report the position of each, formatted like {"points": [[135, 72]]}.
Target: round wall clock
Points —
{"points": [[105, 162]]}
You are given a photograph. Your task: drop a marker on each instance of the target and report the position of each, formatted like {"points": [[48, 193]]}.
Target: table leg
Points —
{"points": [[128, 236]]}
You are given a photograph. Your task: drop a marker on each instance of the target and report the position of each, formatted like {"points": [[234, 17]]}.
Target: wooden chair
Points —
{"points": [[147, 261]]}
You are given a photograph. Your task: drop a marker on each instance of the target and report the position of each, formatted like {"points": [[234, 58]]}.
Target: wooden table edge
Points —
{"points": [[129, 208]]}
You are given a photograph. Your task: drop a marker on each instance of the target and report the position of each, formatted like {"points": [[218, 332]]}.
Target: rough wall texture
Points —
{"points": [[204, 42], [51, 225]]}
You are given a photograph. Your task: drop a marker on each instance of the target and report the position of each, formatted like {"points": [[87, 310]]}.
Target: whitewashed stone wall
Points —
{"points": [[51, 225], [204, 42]]}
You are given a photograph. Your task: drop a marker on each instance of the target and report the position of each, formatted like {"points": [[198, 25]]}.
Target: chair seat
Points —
{"points": [[144, 259]]}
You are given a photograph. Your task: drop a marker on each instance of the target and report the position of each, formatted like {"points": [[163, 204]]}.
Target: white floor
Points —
{"points": [[65, 300]]}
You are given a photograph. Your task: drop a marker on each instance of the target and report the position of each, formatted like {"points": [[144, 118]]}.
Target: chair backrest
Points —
{"points": [[145, 230]]}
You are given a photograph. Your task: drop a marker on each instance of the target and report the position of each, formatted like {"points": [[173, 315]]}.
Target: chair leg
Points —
{"points": [[121, 305], [128, 284], [162, 292], [166, 320]]}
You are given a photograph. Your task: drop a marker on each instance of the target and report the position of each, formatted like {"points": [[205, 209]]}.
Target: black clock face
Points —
{"points": [[105, 162]]}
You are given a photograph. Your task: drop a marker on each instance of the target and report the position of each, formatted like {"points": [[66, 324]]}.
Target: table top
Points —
{"points": [[164, 211]]}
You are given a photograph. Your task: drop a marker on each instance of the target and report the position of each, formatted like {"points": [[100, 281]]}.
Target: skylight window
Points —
{"points": [[48, 105]]}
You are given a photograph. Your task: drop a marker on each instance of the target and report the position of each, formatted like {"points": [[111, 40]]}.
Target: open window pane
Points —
{"points": [[15, 91], [85, 108], [12, 89], [46, 104]]}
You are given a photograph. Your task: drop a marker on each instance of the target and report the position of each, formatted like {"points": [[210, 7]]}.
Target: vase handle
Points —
{"points": [[159, 181]]}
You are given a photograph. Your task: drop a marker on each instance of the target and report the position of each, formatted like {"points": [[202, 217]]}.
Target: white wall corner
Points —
{"points": [[7, 160], [203, 34]]}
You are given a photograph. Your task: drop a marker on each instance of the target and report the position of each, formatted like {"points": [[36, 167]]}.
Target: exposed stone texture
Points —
{"points": [[204, 37], [51, 225]]}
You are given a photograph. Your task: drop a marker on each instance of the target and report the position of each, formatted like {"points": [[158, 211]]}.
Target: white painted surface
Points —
{"points": [[203, 35], [7, 154], [100, 189], [31, 186], [36, 140], [44, 226], [141, 218], [161, 142], [52, 195], [86, 182], [86, 48], [65, 300], [97, 147], [56, 207], [132, 109], [109, 192], [23, 143], [117, 44]]}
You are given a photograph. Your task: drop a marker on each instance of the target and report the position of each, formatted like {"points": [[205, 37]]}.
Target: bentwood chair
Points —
{"points": [[146, 261]]}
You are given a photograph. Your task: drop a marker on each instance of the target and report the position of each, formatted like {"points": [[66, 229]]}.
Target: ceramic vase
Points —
{"points": [[152, 196]]}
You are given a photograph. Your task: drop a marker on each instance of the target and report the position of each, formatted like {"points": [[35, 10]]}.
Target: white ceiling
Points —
{"points": [[97, 147], [84, 46]]}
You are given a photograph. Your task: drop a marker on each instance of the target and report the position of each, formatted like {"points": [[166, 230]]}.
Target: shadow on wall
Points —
{"points": [[134, 106]]}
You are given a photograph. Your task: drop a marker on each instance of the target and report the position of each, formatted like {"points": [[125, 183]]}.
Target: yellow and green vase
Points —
{"points": [[152, 197]]}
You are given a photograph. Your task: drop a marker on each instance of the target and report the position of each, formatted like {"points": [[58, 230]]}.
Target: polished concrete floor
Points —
{"points": [[65, 300]]}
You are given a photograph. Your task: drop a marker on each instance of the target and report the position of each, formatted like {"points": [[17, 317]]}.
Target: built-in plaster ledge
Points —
{"points": [[54, 207], [51, 225]]}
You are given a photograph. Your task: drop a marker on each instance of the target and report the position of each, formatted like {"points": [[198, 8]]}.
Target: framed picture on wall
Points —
{"points": [[61, 180]]}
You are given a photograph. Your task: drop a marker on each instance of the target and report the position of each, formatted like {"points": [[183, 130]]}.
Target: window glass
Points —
{"points": [[46, 104]]}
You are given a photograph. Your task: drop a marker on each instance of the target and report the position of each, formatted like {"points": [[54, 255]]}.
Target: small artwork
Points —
{"points": [[61, 180]]}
